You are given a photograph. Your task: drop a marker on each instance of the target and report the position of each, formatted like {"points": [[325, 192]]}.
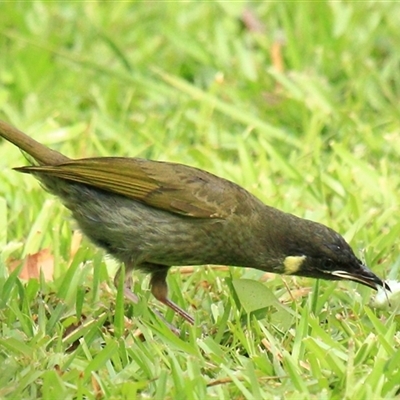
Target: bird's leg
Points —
{"points": [[134, 299], [159, 289]]}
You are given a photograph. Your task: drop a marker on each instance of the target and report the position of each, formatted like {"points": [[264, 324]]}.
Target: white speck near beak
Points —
{"points": [[388, 301]]}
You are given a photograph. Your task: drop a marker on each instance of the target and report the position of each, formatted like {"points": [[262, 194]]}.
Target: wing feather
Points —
{"points": [[172, 187]]}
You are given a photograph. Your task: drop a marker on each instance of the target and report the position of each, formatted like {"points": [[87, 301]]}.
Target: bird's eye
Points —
{"points": [[327, 264]]}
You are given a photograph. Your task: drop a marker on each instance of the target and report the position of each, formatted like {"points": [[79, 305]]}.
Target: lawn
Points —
{"points": [[296, 101]]}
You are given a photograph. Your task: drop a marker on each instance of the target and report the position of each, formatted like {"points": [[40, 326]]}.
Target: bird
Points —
{"points": [[151, 215]]}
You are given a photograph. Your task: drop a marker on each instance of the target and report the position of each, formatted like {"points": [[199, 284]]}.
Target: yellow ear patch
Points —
{"points": [[292, 264]]}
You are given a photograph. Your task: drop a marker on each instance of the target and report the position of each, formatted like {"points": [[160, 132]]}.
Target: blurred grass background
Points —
{"points": [[296, 101]]}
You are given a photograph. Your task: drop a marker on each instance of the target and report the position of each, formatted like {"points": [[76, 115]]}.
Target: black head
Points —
{"points": [[317, 251]]}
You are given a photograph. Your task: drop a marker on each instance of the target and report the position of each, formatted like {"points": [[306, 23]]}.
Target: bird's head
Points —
{"points": [[316, 251]]}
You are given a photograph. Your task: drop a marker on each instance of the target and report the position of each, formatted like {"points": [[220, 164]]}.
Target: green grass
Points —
{"points": [[189, 83]]}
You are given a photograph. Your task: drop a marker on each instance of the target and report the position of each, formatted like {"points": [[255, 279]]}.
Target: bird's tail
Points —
{"points": [[42, 154]]}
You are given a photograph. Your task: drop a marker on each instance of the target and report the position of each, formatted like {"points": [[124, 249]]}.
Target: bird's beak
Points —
{"points": [[364, 276]]}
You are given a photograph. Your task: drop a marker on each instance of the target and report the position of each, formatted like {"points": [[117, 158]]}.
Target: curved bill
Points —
{"points": [[362, 275]]}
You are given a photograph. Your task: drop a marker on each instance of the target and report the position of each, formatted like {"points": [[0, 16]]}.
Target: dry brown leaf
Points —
{"points": [[43, 260]]}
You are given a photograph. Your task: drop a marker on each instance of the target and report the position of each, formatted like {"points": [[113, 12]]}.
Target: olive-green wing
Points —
{"points": [[172, 187]]}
